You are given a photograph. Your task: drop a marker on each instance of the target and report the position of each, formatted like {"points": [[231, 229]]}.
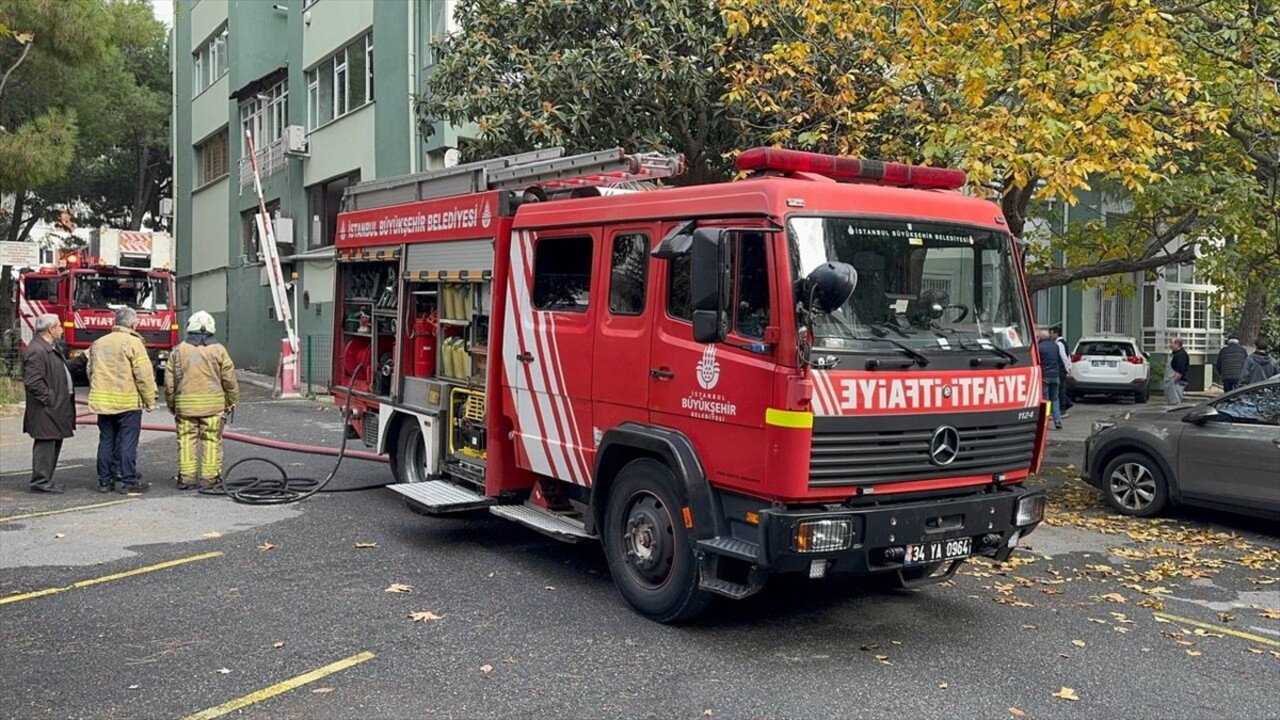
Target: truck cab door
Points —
{"points": [[717, 394], [555, 298], [621, 372]]}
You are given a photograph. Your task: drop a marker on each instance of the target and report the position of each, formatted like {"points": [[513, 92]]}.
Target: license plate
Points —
{"points": [[1104, 363], [940, 551]]}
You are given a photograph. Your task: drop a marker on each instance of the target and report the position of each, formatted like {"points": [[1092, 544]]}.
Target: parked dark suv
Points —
{"points": [[1224, 453]]}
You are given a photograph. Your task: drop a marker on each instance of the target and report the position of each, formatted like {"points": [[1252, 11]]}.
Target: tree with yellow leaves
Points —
{"points": [[1034, 99]]}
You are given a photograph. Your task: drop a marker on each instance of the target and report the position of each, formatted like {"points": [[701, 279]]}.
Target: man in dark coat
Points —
{"points": [[51, 410], [1230, 364]]}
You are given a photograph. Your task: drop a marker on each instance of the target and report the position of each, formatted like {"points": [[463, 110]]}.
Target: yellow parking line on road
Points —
{"points": [[65, 510], [280, 687], [108, 578], [1217, 628], [16, 473]]}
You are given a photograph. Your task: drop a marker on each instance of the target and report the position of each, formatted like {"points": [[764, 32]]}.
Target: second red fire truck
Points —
{"points": [[823, 368]]}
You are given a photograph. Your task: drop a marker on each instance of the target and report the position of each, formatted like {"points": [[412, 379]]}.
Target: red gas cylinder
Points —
{"points": [[424, 346]]}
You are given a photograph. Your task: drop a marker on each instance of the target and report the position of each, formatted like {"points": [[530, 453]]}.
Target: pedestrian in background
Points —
{"points": [[1230, 363], [1063, 396], [1175, 381], [201, 391], [50, 415], [1052, 361], [1260, 365], [121, 385]]}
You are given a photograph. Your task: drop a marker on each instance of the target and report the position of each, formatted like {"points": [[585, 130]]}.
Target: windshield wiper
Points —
{"points": [[1013, 359], [918, 357]]}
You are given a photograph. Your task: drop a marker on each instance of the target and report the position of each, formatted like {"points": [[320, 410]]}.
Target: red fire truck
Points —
{"points": [[823, 368], [85, 287]]}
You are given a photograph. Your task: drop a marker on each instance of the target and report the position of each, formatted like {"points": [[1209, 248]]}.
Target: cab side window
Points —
{"points": [[562, 274], [749, 286], [628, 273], [752, 282], [41, 289]]}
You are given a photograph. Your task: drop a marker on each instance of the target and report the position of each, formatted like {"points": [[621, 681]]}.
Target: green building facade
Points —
{"points": [[325, 87]]}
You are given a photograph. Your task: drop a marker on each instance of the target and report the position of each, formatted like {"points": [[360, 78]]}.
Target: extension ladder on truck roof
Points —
{"points": [[541, 172]]}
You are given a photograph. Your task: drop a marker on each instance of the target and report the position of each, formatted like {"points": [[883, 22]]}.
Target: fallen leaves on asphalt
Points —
{"points": [[366, 545], [399, 588], [486, 669], [1270, 614], [211, 535], [1078, 643], [58, 536], [278, 645], [322, 691], [265, 546], [942, 686], [223, 671], [1067, 693], [1016, 712], [424, 616]]}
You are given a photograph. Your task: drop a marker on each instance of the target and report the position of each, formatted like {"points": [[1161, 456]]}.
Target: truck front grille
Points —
{"points": [[861, 451]]}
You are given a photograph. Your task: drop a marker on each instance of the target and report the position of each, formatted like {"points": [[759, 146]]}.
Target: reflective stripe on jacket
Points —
{"points": [[200, 380], [120, 374]]}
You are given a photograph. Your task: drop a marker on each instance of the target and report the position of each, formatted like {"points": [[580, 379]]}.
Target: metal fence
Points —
{"points": [[317, 363]]}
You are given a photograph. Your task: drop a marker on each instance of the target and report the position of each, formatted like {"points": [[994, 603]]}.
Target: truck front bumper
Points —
{"points": [[879, 539]]}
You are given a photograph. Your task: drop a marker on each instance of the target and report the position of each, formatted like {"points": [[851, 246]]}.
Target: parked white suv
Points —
{"points": [[1109, 365]]}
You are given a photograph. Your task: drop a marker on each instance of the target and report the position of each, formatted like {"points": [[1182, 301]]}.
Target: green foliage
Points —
{"points": [[39, 152], [588, 75]]}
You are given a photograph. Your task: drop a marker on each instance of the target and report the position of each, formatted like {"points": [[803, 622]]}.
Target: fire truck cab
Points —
{"points": [[86, 286], [824, 368]]}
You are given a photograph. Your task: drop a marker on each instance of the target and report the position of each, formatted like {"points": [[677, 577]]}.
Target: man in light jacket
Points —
{"points": [[121, 385]]}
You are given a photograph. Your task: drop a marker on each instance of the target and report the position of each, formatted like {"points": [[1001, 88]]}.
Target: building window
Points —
{"points": [[265, 116], [562, 274], [213, 158], [340, 83], [1112, 313], [628, 273], [249, 222], [325, 201], [1192, 310], [210, 61]]}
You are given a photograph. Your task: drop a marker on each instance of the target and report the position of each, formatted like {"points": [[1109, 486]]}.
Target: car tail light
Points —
{"points": [[850, 169], [1077, 357], [1135, 359]]}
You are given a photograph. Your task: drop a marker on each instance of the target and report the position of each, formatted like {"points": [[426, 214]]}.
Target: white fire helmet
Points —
{"points": [[201, 322]]}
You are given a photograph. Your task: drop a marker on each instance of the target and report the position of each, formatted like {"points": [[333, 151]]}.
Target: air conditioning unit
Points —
{"points": [[166, 207], [295, 141], [283, 231]]}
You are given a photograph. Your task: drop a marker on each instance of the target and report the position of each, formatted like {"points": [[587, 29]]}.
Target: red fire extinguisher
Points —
{"points": [[424, 346]]}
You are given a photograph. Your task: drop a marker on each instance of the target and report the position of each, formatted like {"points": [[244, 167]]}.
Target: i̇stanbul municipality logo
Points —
{"points": [[708, 369]]}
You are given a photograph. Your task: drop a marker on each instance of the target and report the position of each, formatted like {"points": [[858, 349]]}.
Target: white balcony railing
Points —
{"points": [[271, 159]]}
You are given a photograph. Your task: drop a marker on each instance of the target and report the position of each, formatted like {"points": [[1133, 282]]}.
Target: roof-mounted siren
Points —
{"points": [[847, 169]]}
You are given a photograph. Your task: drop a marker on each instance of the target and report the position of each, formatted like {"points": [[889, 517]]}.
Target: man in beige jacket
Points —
{"points": [[121, 385], [200, 389]]}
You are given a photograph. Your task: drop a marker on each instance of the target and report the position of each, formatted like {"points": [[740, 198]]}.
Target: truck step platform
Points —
{"points": [[732, 547], [437, 497], [544, 521]]}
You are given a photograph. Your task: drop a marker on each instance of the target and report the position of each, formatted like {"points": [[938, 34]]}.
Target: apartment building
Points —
{"points": [[325, 88]]}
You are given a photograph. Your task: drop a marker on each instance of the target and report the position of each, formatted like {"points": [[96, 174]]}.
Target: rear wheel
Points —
{"points": [[649, 552], [1142, 396], [409, 461], [1134, 484]]}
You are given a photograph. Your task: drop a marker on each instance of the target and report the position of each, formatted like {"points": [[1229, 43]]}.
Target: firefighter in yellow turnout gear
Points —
{"points": [[200, 389]]}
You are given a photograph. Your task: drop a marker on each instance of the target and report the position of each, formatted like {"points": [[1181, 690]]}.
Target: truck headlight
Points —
{"points": [[1100, 425], [1030, 509], [815, 536]]}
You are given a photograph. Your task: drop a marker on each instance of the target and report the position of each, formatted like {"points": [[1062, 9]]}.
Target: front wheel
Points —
{"points": [[649, 552], [1134, 484]]}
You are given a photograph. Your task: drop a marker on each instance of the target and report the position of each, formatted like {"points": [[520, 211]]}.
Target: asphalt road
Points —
{"points": [[1138, 619]]}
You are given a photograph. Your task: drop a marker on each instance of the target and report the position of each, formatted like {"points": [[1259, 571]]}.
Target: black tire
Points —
{"points": [[1142, 396], [642, 516], [1134, 484], [407, 460]]}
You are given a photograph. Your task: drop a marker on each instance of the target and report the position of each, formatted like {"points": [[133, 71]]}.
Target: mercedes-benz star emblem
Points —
{"points": [[944, 446]]}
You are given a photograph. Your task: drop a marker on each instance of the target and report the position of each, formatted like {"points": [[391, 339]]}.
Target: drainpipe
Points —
{"points": [[413, 84]]}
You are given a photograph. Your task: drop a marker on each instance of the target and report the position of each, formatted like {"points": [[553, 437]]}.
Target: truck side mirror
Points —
{"points": [[709, 284]]}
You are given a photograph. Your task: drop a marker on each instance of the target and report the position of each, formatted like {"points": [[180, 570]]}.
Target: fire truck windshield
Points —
{"points": [[139, 292], [929, 286]]}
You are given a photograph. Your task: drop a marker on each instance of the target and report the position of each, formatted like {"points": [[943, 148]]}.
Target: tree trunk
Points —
{"points": [[15, 224], [6, 298], [1255, 305]]}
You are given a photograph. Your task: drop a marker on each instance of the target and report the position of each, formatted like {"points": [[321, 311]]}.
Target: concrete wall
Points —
{"points": [[333, 25], [346, 144]]}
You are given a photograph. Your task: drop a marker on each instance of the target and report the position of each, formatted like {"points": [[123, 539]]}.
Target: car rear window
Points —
{"points": [[1109, 349]]}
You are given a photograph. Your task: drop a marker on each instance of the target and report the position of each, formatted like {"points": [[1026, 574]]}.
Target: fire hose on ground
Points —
{"points": [[254, 490]]}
